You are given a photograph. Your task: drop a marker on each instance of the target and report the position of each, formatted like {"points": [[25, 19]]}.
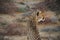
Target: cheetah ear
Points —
{"points": [[37, 13]]}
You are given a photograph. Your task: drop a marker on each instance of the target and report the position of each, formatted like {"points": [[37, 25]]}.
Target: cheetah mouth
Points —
{"points": [[44, 21], [41, 20]]}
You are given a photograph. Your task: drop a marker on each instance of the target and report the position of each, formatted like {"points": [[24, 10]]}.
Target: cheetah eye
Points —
{"points": [[37, 13]]}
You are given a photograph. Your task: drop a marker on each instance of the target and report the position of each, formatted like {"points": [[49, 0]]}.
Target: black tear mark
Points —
{"points": [[37, 13]]}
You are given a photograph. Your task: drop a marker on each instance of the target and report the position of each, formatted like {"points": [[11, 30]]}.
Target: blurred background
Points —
{"points": [[14, 19]]}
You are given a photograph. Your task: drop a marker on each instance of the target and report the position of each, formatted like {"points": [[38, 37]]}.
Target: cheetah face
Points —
{"points": [[46, 17], [40, 17]]}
